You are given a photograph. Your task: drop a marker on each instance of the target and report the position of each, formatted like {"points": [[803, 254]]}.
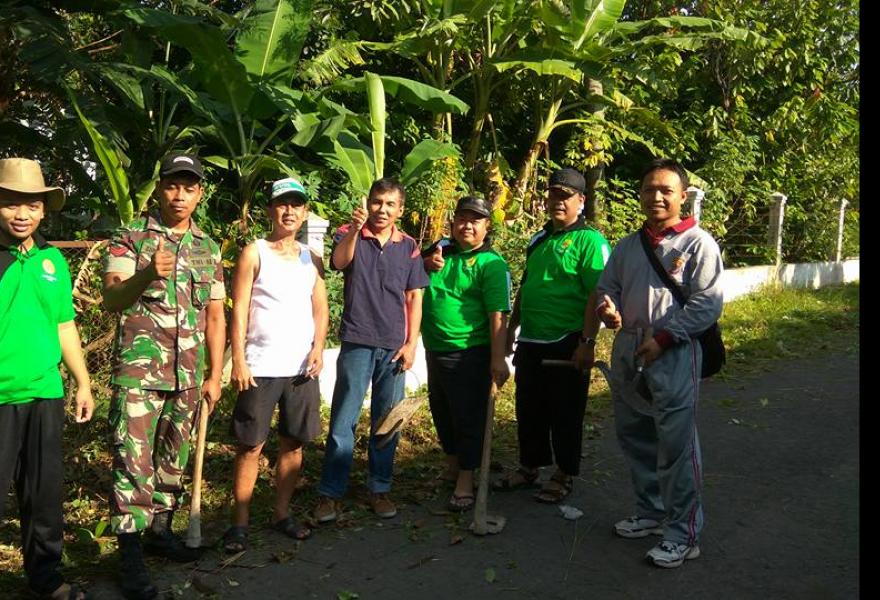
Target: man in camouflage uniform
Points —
{"points": [[165, 277]]}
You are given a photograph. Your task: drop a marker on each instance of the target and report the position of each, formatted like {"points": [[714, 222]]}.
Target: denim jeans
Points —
{"points": [[356, 367]]}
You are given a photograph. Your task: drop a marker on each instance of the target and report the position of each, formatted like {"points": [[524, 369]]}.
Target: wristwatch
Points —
{"points": [[589, 341]]}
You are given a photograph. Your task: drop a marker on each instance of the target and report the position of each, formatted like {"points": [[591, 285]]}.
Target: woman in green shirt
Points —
{"points": [[464, 326]]}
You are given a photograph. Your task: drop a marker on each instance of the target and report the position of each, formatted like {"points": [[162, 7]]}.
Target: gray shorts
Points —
{"points": [[298, 401]]}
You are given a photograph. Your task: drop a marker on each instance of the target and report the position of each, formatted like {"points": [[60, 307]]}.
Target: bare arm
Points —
{"points": [[321, 316], [215, 336], [498, 341], [242, 288], [71, 354], [414, 324]]}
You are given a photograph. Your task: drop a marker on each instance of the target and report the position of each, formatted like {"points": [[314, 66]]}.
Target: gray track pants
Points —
{"points": [[662, 448]]}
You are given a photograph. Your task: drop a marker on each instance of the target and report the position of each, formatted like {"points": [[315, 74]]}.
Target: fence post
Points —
{"points": [[312, 233], [838, 254], [695, 198], [774, 232]]}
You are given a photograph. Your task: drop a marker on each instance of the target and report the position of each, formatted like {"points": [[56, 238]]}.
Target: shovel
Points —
{"points": [[396, 419], [483, 522]]}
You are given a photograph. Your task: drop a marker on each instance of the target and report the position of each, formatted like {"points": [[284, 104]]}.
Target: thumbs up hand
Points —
{"points": [[435, 262], [608, 312], [162, 263]]}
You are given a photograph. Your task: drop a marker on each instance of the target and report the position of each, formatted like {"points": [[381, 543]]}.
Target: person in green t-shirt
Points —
{"points": [[556, 312], [36, 333], [464, 328]]}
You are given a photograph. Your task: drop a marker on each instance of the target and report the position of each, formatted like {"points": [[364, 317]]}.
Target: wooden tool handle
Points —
{"points": [[480, 525], [194, 532]]}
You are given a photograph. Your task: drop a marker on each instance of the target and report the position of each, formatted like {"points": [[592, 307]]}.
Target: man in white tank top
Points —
{"points": [[279, 326]]}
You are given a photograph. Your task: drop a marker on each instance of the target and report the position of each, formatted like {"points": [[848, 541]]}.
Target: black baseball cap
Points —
{"points": [[569, 179], [474, 204], [181, 163]]}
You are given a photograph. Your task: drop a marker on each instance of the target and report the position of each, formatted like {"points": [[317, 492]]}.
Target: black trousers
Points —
{"points": [[550, 405], [30, 455], [458, 394]]}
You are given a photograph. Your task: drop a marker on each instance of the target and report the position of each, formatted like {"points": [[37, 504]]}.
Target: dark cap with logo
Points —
{"points": [[569, 179], [474, 204], [181, 163]]}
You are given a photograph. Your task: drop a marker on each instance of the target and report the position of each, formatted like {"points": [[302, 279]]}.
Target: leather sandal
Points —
{"points": [[518, 479]]}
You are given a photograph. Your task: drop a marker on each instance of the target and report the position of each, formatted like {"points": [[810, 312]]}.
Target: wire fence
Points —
{"points": [[97, 327]]}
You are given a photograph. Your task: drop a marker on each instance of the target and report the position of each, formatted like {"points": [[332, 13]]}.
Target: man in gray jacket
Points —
{"points": [[656, 361]]}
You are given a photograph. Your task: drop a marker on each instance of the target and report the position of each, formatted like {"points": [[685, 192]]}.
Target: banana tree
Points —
{"points": [[243, 96], [580, 40], [364, 164]]}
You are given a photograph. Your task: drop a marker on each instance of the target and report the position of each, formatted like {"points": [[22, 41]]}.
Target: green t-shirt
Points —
{"points": [[35, 297], [456, 306], [562, 270]]}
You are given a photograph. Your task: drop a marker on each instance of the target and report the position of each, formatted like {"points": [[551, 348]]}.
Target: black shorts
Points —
{"points": [[298, 400]]}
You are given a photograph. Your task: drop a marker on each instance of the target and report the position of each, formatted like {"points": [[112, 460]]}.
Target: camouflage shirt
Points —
{"points": [[160, 340]]}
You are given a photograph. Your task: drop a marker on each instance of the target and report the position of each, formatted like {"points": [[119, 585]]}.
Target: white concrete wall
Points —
{"points": [[736, 283]]}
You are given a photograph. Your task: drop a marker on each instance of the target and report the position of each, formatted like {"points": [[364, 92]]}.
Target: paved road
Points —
{"points": [[782, 518]]}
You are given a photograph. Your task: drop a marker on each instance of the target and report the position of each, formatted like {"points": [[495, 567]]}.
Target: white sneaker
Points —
{"points": [[670, 555], [637, 527]]}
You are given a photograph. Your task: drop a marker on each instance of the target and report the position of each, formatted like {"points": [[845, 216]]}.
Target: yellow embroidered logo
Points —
{"points": [[471, 261], [48, 266]]}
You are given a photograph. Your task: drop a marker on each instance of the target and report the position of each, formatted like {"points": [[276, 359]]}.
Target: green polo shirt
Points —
{"points": [[457, 304], [562, 270], [35, 297]]}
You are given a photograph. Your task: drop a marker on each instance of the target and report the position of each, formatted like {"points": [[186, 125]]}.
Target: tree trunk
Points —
{"points": [[592, 204]]}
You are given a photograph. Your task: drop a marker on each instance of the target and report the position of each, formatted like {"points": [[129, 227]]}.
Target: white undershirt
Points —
{"points": [[281, 328]]}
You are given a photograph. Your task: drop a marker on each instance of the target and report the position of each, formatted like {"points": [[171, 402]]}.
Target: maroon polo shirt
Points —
{"points": [[374, 313]]}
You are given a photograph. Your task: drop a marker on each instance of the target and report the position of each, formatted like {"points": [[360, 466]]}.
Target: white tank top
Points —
{"points": [[281, 328]]}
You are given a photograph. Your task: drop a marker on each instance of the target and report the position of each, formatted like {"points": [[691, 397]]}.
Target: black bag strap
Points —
{"points": [[655, 262]]}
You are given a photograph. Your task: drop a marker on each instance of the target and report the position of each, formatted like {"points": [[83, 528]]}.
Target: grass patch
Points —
{"points": [[757, 330], [776, 323]]}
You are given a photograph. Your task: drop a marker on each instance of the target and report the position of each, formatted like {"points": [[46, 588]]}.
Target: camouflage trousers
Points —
{"points": [[150, 432]]}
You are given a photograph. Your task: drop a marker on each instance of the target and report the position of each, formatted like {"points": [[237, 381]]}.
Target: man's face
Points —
{"points": [[564, 205], [383, 210], [288, 213], [469, 228], [661, 196], [178, 197], [20, 214]]}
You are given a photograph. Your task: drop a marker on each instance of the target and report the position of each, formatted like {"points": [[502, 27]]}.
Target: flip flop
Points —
{"points": [[460, 503], [235, 540], [292, 528]]}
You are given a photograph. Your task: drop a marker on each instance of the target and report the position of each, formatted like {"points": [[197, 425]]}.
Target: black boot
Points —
{"points": [[134, 577], [161, 541]]}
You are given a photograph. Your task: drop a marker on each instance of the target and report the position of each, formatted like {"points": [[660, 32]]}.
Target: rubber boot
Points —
{"points": [[160, 540], [134, 577]]}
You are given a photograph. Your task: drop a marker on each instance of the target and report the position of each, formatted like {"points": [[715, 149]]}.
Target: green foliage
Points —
{"points": [[754, 97]]}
